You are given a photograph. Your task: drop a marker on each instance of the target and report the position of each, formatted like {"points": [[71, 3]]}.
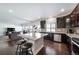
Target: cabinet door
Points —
{"points": [[76, 13], [49, 36], [64, 38], [77, 21], [77, 9], [43, 24], [61, 22], [58, 23], [73, 20]]}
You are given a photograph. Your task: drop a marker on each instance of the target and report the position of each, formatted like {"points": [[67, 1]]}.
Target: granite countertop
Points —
{"points": [[32, 36], [35, 36], [70, 35], [73, 35]]}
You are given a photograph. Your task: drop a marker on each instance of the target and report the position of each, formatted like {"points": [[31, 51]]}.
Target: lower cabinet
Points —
{"points": [[66, 39], [58, 38], [50, 36], [47, 37]]}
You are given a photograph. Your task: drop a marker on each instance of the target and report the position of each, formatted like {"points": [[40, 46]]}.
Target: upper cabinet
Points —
{"points": [[77, 15], [76, 10], [61, 22], [73, 19], [43, 24]]}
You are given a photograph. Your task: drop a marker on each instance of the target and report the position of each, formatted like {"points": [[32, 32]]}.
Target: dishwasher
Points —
{"points": [[57, 37]]}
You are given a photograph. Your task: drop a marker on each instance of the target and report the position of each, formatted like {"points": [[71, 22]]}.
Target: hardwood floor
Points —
{"points": [[7, 48], [50, 48], [54, 48]]}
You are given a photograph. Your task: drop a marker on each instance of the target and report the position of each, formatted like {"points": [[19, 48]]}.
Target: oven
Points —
{"points": [[75, 46]]}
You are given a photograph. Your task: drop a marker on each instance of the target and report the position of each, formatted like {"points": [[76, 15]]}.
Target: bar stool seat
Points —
{"points": [[27, 48], [24, 48], [19, 43]]}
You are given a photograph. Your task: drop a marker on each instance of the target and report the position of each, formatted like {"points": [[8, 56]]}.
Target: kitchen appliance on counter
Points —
{"points": [[75, 46], [70, 30]]}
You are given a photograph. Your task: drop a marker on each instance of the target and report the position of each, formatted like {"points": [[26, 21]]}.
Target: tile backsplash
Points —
{"points": [[61, 30]]}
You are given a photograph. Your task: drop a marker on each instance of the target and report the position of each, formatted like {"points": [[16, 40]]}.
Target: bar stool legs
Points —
{"points": [[18, 50]]}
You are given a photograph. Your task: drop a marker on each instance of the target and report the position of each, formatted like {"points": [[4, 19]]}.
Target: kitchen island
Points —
{"points": [[36, 39]]}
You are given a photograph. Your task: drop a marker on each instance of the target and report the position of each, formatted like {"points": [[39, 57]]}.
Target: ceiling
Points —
{"points": [[28, 12]]}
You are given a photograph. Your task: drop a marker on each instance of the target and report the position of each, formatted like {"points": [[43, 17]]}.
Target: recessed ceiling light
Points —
{"points": [[10, 10], [62, 10]]}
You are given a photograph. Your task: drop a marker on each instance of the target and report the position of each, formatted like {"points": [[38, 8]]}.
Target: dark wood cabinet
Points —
{"points": [[63, 38], [76, 10], [66, 39], [43, 24], [61, 22], [74, 19], [77, 20], [50, 36]]}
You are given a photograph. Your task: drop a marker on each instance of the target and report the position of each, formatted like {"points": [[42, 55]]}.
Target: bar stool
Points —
{"points": [[24, 48], [27, 49], [18, 50]]}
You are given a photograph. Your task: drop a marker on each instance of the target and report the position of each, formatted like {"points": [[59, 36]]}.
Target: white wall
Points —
{"points": [[3, 27]]}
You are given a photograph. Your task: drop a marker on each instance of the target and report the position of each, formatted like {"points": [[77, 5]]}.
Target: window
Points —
{"points": [[48, 30], [53, 27], [51, 24], [48, 27]]}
